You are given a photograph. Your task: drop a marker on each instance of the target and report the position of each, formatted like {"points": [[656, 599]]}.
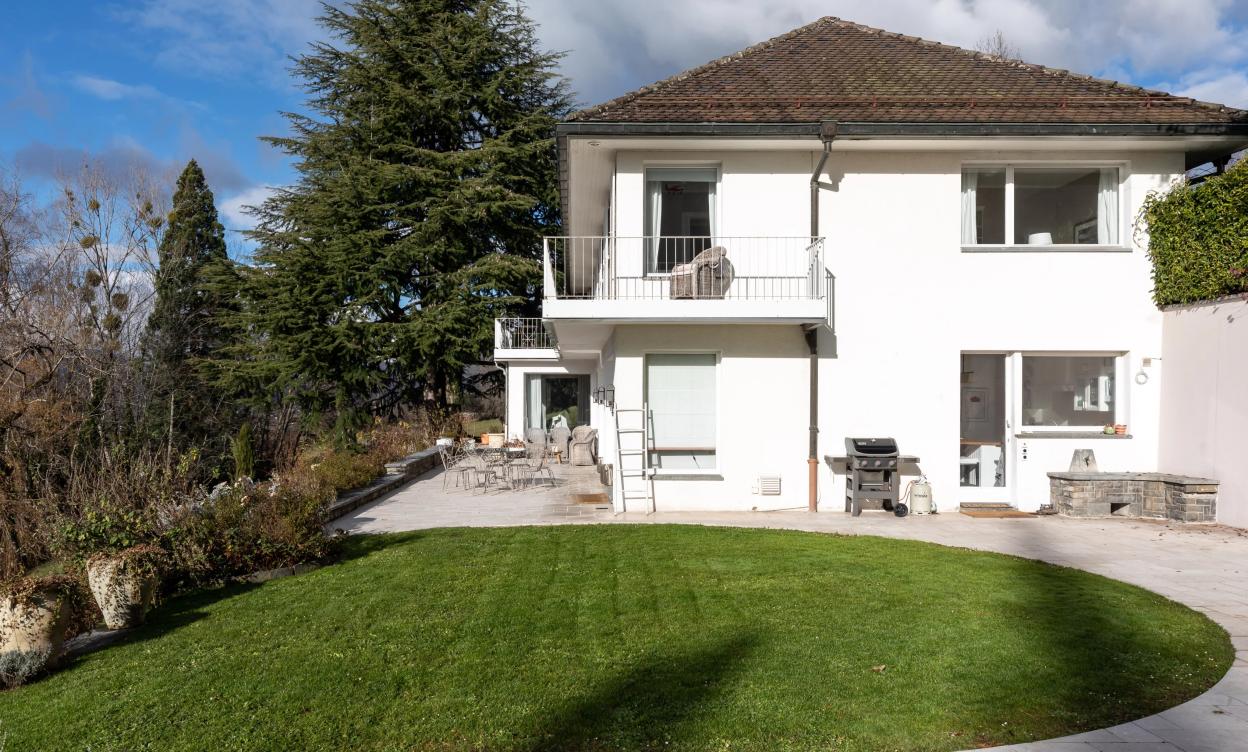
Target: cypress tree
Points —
{"points": [[185, 324], [427, 177]]}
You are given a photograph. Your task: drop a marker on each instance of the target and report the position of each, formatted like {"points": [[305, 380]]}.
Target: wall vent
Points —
{"points": [[769, 485]]}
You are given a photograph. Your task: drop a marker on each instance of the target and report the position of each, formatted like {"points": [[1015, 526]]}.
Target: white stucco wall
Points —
{"points": [[894, 245], [909, 301], [762, 418], [1205, 400]]}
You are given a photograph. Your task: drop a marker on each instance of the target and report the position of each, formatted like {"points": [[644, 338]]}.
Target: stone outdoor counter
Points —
{"points": [[1154, 495]]}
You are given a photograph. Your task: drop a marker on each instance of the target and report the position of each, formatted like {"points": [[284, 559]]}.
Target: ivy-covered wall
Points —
{"points": [[1198, 238]]}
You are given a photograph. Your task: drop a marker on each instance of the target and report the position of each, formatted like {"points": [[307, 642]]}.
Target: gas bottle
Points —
{"points": [[921, 497]]}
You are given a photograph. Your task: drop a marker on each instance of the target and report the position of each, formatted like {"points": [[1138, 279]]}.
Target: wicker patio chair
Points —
{"points": [[584, 446], [560, 438]]}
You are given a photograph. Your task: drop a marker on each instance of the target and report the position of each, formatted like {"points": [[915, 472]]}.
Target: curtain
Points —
{"points": [[537, 411], [970, 183], [1107, 208], [654, 223]]}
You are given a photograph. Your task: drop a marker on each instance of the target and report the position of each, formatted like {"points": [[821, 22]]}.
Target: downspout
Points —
{"points": [[827, 133]]}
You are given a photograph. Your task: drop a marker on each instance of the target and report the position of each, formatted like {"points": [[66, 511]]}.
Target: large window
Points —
{"points": [[680, 214], [1040, 206], [680, 393], [556, 401], [1069, 390]]}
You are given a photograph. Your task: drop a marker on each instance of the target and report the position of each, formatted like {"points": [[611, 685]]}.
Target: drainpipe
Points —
{"points": [[827, 133]]}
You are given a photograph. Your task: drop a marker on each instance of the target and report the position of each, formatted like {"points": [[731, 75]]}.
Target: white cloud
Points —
{"points": [[107, 89], [234, 209], [229, 38], [1228, 87]]}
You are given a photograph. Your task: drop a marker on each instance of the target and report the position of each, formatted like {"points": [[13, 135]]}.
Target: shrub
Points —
{"points": [[19, 666], [245, 527], [1198, 238]]}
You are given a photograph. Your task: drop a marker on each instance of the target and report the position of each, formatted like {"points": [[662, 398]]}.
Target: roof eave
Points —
{"points": [[862, 130]]}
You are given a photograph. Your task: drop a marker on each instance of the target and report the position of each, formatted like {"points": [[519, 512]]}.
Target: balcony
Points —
{"points": [[611, 278], [524, 339]]}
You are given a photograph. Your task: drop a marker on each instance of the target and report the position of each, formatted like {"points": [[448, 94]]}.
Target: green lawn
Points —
{"points": [[478, 427], [631, 637]]}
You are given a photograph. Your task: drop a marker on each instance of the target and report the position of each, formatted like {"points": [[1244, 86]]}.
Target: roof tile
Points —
{"points": [[836, 70]]}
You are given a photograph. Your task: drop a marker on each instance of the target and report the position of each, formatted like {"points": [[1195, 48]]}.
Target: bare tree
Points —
{"points": [[996, 46]]}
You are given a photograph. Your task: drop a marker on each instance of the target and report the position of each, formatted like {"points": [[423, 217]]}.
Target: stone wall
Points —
{"points": [[1150, 495]]}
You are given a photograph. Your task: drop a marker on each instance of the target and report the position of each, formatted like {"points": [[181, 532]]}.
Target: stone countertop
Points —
{"points": [[1183, 480]]}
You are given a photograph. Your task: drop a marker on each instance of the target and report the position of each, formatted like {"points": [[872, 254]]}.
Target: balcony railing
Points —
{"points": [[523, 334], [670, 268]]}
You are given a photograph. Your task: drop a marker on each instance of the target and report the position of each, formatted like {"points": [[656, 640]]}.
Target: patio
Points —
{"points": [[424, 504], [1200, 566]]}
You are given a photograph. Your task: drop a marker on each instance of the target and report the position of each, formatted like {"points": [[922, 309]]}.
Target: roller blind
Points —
{"points": [[680, 391]]}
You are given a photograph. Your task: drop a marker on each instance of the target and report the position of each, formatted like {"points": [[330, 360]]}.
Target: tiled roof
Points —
{"points": [[837, 70]]}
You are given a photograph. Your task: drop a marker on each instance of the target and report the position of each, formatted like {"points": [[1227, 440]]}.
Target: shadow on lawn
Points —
{"points": [[645, 706], [1101, 661], [170, 616]]}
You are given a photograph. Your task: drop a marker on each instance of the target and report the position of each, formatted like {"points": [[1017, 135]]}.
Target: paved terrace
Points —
{"points": [[1204, 567]]}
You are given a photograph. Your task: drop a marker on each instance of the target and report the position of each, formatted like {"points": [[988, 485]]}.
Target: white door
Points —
{"points": [[985, 428]]}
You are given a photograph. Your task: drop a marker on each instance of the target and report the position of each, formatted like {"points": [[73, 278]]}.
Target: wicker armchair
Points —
{"points": [[584, 446], [560, 437], [706, 275], [535, 436]]}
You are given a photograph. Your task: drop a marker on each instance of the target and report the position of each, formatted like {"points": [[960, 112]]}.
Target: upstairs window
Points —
{"points": [[1040, 206], [680, 214]]}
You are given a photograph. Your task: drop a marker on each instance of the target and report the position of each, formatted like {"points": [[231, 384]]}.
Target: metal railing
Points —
{"points": [[523, 334], [676, 267]]}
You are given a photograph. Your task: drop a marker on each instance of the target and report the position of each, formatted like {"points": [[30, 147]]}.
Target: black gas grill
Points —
{"points": [[871, 473]]}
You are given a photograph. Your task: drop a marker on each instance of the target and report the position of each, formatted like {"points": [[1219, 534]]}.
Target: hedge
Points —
{"points": [[1198, 238]]}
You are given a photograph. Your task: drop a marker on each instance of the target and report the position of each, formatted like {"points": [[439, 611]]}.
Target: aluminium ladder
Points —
{"points": [[636, 478]]}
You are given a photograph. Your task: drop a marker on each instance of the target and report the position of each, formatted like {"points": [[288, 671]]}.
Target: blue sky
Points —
{"points": [[160, 81]]}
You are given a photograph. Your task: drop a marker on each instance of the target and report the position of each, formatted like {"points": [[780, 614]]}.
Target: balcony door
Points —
{"points": [[986, 444], [680, 215]]}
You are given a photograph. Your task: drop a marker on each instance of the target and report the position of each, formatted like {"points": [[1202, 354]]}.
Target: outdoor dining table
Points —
{"points": [[504, 453]]}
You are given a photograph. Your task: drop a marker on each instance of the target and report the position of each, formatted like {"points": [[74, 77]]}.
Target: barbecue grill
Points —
{"points": [[873, 476]]}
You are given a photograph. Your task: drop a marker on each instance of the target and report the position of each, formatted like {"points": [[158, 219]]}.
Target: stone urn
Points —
{"points": [[124, 585], [33, 619]]}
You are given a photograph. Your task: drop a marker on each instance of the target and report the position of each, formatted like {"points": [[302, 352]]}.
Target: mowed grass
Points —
{"points": [[631, 637]]}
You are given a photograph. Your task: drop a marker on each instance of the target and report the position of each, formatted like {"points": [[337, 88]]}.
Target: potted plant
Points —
{"points": [[124, 584], [34, 612]]}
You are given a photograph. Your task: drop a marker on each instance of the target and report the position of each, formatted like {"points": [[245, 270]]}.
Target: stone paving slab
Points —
{"points": [[1202, 566]]}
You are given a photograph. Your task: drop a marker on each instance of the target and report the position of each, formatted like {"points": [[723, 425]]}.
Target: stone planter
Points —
{"points": [[34, 624], [124, 587]]}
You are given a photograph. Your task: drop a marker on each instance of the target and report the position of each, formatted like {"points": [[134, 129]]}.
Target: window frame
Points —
{"points": [[716, 210], [1120, 397], [1123, 245], [712, 473]]}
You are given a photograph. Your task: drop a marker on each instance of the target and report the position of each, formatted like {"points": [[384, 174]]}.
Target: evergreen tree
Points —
{"points": [[427, 176], [185, 326]]}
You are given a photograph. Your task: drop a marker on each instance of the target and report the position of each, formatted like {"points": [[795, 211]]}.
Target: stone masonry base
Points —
{"points": [[1150, 495]]}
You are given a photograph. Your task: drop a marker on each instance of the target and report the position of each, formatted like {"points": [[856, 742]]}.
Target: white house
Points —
{"points": [[926, 243]]}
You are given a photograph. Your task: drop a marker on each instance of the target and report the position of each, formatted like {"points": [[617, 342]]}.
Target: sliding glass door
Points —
{"points": [[556, 400]]}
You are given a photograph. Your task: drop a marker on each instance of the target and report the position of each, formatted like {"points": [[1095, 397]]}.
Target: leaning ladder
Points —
{"points": [[636, 478]]}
